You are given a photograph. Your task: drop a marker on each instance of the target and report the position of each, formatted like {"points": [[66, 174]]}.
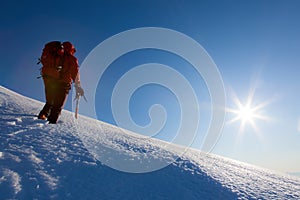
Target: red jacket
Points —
{"points": [[67, 73]]}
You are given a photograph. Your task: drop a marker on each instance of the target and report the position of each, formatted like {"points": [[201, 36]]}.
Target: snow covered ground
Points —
{"points": [[44, 161]]}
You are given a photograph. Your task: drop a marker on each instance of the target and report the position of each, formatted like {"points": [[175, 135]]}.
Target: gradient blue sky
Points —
{"points": [[255, 44]]}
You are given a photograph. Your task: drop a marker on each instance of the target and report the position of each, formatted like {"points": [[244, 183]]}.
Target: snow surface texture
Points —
{"points": [[45, 161]]}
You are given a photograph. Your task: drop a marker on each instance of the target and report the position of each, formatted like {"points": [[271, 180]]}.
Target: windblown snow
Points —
{"points": [[44, 161]]}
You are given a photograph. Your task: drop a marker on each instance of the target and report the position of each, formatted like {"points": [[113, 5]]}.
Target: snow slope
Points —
{"points": [[45, 161]]}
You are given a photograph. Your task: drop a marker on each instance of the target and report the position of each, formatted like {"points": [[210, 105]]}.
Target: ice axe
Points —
{"points": [[77, 98]]}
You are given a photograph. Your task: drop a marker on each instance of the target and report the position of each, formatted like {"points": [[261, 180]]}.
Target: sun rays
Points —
{"points": [[247, 113]]}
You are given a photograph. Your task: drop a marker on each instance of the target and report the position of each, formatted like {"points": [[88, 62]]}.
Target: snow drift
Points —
{"points": [[44, 161]]}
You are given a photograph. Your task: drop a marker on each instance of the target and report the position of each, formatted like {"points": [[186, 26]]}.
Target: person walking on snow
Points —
{"points": [[58, 78]]}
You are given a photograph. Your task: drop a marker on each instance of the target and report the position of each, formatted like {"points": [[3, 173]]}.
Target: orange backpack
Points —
{"points": [[52, 60]]}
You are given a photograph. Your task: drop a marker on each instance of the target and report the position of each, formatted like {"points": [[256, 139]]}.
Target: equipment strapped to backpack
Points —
{"points": [[52, 60]]}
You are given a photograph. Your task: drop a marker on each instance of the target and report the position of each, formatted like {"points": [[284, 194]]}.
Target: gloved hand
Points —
{"points": [[79, 90]]}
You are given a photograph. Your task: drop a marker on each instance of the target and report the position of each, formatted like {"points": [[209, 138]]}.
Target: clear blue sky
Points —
{"points": [[253, 43]]}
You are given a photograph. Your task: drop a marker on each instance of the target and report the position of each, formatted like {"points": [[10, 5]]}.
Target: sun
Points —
{"points": [[247, 113]]}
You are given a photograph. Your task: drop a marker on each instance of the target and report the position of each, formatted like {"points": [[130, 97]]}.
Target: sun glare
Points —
{"points": [[247, 113]]}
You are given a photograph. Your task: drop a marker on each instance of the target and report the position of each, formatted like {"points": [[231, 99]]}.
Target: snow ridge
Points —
{"points": [[44, 161], [13, 179]]}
